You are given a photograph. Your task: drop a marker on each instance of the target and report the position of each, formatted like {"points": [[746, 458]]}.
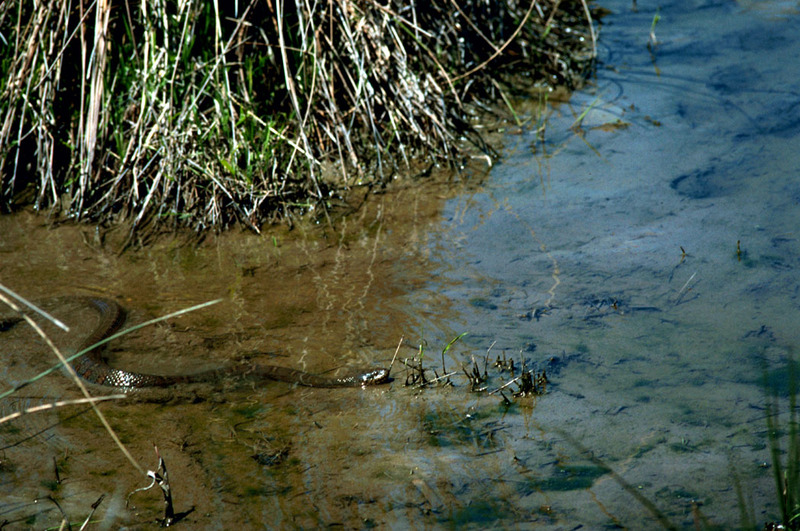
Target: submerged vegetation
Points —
{"points": [[787, 474], [203, 114], [529, 382]]}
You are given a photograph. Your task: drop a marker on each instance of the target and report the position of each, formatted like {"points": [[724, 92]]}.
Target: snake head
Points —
{"points": [[376, 377]]}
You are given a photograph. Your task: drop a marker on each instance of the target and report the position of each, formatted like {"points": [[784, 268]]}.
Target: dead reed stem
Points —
{"points": [[205, 114]]}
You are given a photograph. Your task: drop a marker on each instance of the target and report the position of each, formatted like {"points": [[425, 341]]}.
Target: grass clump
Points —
{"points": [[202, 114]]}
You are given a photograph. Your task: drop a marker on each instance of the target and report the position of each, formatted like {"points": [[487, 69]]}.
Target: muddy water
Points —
{"points": [[325, 299], [648, 260]]}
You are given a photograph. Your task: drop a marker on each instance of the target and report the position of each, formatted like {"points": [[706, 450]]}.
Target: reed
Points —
{"points": [[204, 114]]}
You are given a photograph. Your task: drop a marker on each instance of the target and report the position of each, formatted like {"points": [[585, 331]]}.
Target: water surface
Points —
{"points": [[653, 249], [644, 253]]}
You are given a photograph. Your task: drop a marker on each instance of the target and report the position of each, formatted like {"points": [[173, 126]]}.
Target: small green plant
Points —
{"points": [[652, 42]]}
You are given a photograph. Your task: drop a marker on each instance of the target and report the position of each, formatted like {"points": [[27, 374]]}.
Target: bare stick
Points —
{"points": [[505, 385], [681, 291], [30, 305], [400, 344], [60, 403], [591, 27]]}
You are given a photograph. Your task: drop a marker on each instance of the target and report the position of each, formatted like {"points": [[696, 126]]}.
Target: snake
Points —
{"points": [[94, 368]]}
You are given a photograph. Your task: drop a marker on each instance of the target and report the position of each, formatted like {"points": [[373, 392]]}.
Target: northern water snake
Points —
{"points": [[93, 367]]}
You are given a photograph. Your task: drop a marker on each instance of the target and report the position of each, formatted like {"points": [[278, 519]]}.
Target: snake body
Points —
{"points": [[93, 368]]}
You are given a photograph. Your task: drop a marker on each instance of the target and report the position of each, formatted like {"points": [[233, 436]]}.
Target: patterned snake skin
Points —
{"points": [[93, 367]]}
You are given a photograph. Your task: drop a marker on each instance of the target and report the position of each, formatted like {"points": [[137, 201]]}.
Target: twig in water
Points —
{"points": [[486, 359], [400, 344], [444, 377], [55, 471], [30, 305], [681, 292], [505, 385], [95, 505], [531, 383], [65, 518], [60, 403], [160, 477]]}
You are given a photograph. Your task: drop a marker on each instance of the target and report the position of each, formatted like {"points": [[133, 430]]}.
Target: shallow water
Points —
{"points": [[647, 261], [655, 253]]}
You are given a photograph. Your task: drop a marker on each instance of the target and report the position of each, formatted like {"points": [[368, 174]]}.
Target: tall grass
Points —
{"points": [[200, 114]]}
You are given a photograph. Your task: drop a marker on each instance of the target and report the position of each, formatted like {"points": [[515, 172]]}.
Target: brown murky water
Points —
{"points": [[317, 298]]}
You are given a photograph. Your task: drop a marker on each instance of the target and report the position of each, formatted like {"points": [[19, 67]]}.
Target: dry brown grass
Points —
{"points": [[194, 114]]}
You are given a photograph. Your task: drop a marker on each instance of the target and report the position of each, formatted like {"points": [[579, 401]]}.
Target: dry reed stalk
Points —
{"points": [[57, 404], [202, 114]]}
